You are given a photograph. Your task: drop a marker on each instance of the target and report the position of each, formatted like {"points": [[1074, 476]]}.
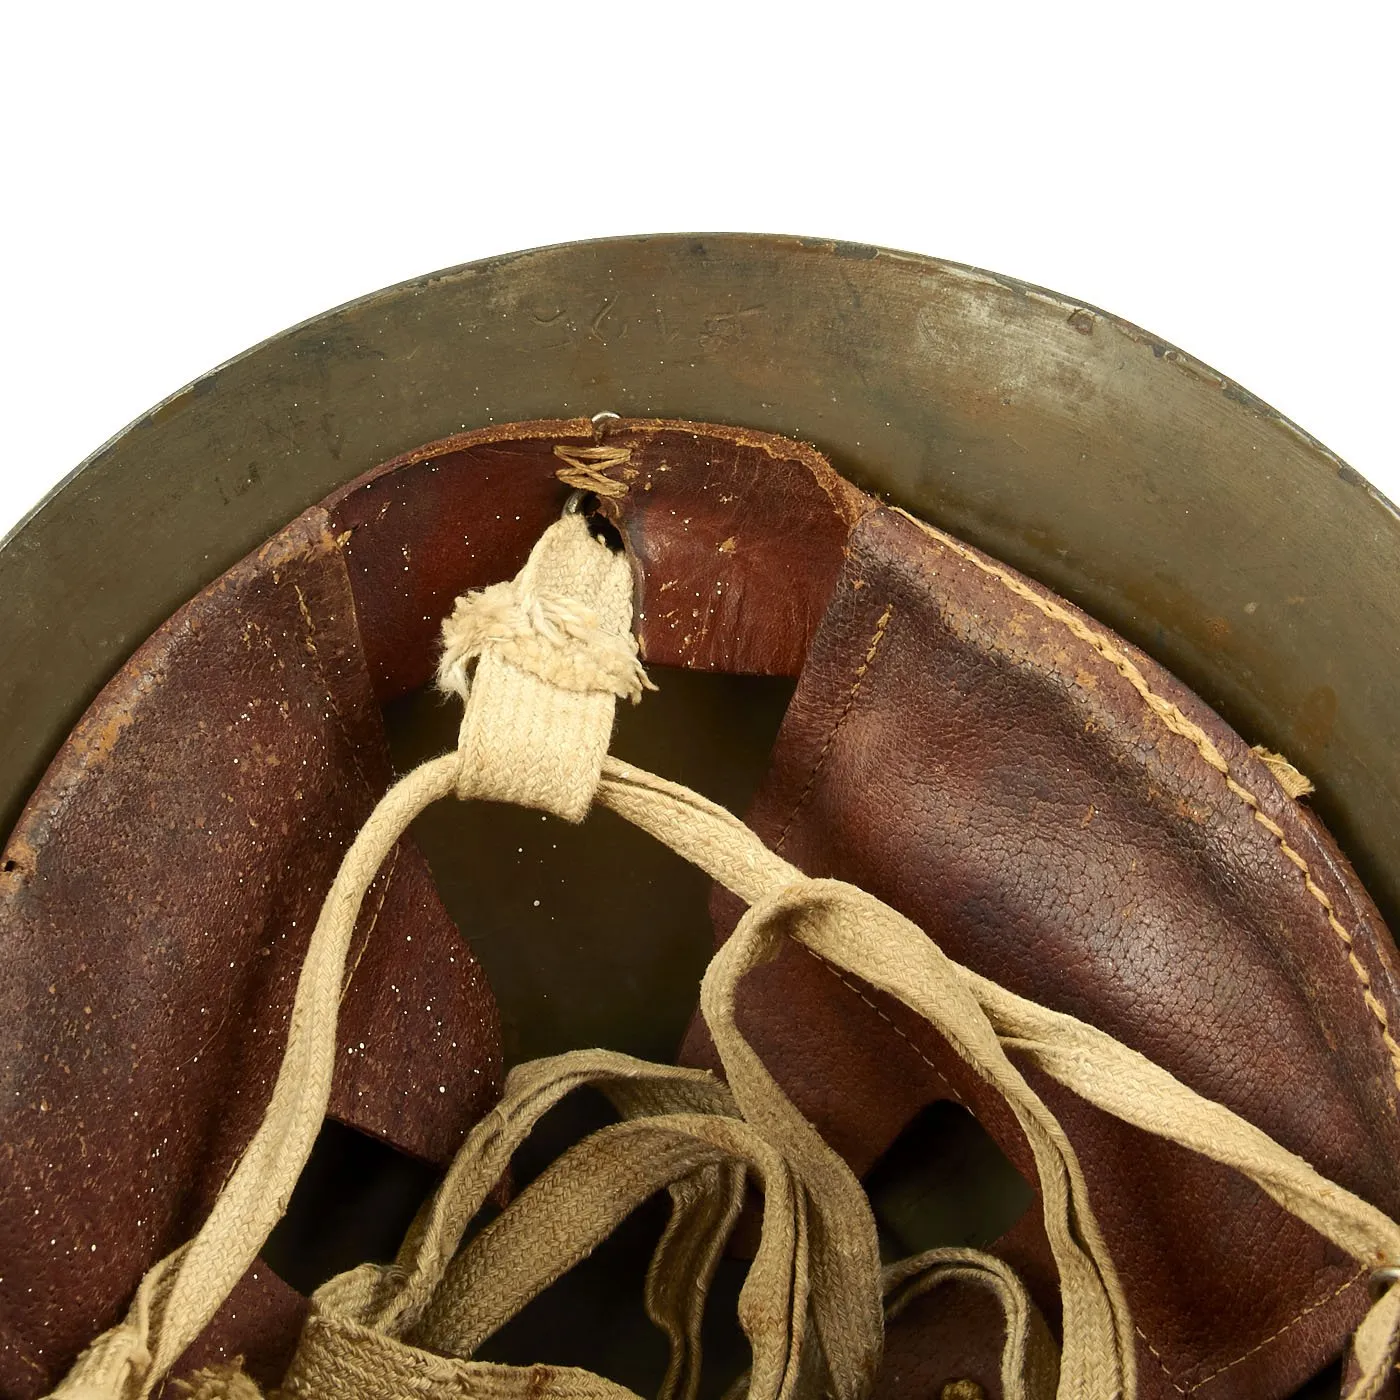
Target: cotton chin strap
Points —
{"points": [[553, 652]]}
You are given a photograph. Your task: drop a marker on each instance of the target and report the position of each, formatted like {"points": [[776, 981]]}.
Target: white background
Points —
{"points": [[183, 181]]}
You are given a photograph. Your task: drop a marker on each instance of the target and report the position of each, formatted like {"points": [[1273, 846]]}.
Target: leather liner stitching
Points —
{"points": [[1162, 1364], [310, 643], [1178, 723], [1146, 1340], [310, 640], [841, 719], [1183, 727], [884, 1016], [373, 923], [1274, 1336]]}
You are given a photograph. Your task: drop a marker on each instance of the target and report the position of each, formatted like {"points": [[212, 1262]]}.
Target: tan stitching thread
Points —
{"points": [[373, 923], [1273, 1337], [586, 469], [1161, 1362], [310, 639], [1147, 1341], [846, 709], [858, 680], [1293, 782], [1172, 717], [898, 1030], [305, 609]]}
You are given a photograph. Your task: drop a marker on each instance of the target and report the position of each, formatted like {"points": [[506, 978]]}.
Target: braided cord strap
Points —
{"points": [[552, 652]]}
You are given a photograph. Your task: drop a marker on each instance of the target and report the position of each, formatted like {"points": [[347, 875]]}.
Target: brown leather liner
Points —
{"points": [[961, 753], [736, 538], [157, 892], [955, 746], [156, 897]]}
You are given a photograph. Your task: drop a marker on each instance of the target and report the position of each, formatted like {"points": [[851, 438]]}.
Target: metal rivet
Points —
{"points": [[1383, 1280], [602, 422]]}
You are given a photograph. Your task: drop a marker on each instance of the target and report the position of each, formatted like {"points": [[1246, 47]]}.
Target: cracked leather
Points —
{"points": [[952, 747], [158, 890], [972, 750], [157, 897]]}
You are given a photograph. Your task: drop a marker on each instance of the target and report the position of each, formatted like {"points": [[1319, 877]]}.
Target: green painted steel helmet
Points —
{"points": [[963, 592]]}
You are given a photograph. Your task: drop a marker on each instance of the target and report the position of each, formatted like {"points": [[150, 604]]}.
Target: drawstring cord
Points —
{"points": [[540, 663]]}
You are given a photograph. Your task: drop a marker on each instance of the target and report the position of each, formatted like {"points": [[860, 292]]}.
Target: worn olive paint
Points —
{"points": [[1153, 492]]}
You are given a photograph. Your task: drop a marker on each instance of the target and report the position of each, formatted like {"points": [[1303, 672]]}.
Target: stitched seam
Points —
{"points": [[898, 1030], [1146, 1340], [859, 679], [373, 923], [305, 610], [1172, 717], [1161, 1362], [857, 682], [1273, 1337], [1174, 720]]}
